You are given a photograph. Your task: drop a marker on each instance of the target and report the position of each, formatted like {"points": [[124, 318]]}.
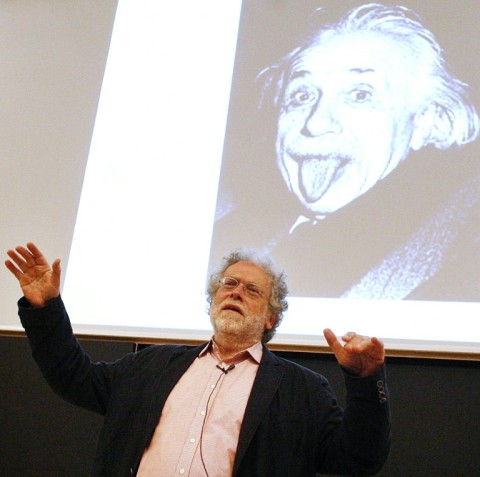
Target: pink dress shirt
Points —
{"points": [[198, 430]]}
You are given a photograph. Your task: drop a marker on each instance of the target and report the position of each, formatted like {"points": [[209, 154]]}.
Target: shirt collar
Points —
{"points": [[255, 351]]}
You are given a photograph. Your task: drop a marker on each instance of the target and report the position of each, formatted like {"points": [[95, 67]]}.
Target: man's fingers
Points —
{"points": [[13, 269], [347, 337], [332, 340], [378, 348], [377, 342], [36, 254], [27, 257], [56, 272], [34, 250], [22, 257], [17, 258]]}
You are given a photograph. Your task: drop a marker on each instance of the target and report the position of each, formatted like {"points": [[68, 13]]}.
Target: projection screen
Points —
{"points": [[227, 124]]}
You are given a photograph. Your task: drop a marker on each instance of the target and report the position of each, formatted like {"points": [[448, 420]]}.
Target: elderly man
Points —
{"points": [[351, 104], [229, 407]]}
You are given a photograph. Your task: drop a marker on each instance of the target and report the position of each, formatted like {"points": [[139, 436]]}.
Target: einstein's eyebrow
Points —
{"points": [[298, 74], [361, 70], [302, 73]]}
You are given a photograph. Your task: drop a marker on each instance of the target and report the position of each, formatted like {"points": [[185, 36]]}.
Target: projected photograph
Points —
{"points": [[340, 137], [350, 152]]}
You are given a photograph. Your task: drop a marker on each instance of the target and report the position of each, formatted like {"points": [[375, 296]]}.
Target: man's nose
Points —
{"points": [[238, 290], [322, 119]]}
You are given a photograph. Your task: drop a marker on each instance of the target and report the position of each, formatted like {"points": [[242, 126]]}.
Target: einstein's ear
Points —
{"points": [[424, 125]]}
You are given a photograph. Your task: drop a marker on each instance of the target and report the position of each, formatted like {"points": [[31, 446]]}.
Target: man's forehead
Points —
{"points": [[248, 271]]}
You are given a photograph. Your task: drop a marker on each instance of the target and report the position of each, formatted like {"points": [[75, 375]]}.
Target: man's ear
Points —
{"points": [[424, 124], [270, 323]]}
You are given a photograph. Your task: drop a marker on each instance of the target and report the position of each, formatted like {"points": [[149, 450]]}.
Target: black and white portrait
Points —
{"points": [[350, 152]]}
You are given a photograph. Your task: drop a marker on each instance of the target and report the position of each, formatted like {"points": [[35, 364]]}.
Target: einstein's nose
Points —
{"points": [[323, 119]]}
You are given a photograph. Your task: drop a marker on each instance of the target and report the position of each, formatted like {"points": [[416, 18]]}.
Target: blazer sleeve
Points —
{"points": [[360, 443], [65, 365]]}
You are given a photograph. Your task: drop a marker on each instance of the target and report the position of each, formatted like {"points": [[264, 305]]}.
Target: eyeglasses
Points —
{"points": [[250, 289]]}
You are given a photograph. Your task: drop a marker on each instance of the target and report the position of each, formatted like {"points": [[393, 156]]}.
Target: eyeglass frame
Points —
{"points": [[254, 293]]}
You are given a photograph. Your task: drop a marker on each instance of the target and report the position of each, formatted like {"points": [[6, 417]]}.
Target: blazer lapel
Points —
{"points": [[267, 381]]}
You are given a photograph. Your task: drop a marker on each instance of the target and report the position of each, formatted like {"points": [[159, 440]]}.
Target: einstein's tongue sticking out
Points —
{"points": [[316, 175]]}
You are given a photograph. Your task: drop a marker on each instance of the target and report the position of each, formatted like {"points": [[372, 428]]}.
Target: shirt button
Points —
{"points": [[212, 386], [192, 440], [202, 413], [182, 471]]}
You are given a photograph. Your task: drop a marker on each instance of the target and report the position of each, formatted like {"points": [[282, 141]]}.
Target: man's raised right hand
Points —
{"points": [[39, 282]]}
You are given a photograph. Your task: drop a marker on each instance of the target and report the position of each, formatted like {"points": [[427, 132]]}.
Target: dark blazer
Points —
{"points": [[292, 426]]}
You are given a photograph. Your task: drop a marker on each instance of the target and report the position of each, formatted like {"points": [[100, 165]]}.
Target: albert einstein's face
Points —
{"points": [[346, 120]]}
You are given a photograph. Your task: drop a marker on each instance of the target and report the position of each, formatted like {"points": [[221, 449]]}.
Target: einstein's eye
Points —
{"points": [[302, 97], [360, 96]]}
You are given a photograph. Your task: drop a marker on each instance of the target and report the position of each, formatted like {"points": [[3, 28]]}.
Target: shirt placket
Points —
{"points": [[195, 431]]}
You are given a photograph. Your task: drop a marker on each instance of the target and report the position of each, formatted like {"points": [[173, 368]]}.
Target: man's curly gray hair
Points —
{"points": [[278, 297]]}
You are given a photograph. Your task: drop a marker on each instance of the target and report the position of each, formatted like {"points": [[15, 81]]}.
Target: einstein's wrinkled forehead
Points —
{"points": [[376, 57]]}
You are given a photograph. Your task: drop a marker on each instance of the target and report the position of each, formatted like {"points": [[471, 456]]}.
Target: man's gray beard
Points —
{"points": [[234, 325]]}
